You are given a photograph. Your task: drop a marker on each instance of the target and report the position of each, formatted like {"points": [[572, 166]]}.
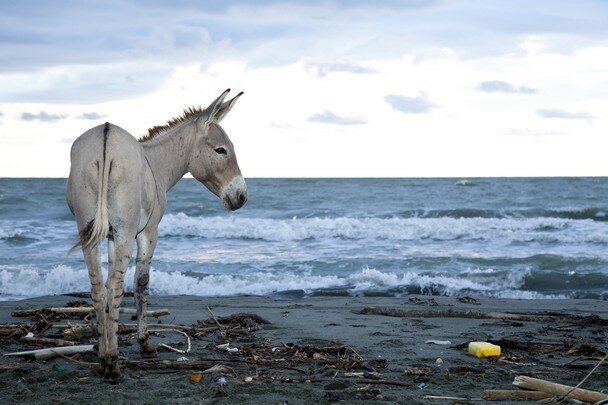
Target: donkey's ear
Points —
{"points": [[225, 108], [210, 111]]}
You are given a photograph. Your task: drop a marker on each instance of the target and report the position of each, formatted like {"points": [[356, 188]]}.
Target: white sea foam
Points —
{"points": [[407, 229], [19, 282]]}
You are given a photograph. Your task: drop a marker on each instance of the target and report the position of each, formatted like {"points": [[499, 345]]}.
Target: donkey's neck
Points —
{"points": [[169, 154]]}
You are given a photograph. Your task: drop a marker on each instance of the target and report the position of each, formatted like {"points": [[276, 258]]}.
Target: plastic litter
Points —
{"points": [[59, 368], [439, 342], [484, 349], [196, 377]]}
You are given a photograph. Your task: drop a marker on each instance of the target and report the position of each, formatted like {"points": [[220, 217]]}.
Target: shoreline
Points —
{"points": [[325, 320]]}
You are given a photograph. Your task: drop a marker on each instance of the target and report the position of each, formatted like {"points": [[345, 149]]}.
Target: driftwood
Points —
{"points": [[559, 389], [456, 313], [80, 310], [314, 379], [9, 366], [47, 341], [43, 354], [178, 365], [242, 317], [519, 395]]}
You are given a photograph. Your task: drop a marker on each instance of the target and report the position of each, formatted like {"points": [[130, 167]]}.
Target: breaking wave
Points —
{"points": [[28, 282], [393, 228]]}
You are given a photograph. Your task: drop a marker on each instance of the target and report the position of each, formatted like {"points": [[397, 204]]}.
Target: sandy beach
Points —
{"points": [[558, 350]]}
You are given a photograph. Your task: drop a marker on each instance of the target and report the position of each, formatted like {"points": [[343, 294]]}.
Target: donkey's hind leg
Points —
{"points": [[92, 257], [122, 248], [146, 243]]}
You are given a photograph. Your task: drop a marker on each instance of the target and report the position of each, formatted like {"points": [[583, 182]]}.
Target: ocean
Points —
{"points": [[528, 238]]}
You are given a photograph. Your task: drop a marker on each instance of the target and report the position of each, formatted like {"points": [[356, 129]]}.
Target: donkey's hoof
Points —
{"points": [[112, 374]]}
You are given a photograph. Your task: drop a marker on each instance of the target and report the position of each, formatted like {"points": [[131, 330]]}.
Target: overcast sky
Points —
{"points": [[332, 88]]}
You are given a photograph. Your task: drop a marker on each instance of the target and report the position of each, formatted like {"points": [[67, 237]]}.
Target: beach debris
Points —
{"points": [[248, 379], [559, 390], [483, 349], [423, 301], [449, 398], [468, 300], [226, 347], [439, 361], [66, 312], [439, 342], [9, 366], [219, 389], [44, 354], [40, 341], [183, 358], [196, 377], [163, 345], [59, 368], [455, 313], [517, 395], [417, 370]]}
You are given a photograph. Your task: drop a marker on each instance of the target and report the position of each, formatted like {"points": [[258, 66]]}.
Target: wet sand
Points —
{"points": [[557, 351]]}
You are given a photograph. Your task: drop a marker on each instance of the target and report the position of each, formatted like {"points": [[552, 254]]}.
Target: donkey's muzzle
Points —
{"points": [[235, 194]]}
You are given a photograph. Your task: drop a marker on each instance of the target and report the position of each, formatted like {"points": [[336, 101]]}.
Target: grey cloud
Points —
{"points": [[39, 35], [91, 116], [410, 105], [327, 117], [42, 116], [559, 113], [499, 86], [322, 70]]}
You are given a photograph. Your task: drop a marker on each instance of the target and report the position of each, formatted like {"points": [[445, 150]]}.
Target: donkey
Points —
{"points": [[117, 189]]}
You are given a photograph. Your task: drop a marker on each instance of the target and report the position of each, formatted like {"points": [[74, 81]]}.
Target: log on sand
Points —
{"points": [[42, 341], [43, 354], [518, 395], [559, 389], [82, 310], [456, 313]]}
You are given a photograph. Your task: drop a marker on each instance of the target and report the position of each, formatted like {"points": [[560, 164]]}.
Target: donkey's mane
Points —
{"points": [[190, 112]]}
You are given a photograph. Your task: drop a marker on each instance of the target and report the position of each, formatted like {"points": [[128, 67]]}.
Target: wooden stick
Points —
{"points": [[9, 366], [559, 389], [82, 310], [43, 354], [173, 348], [47, 341], [521, 395], [372, 381], [186, 328], [444, 398]]}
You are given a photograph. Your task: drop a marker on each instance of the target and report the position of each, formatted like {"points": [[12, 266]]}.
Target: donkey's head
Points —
{"points": [[213, 161]]}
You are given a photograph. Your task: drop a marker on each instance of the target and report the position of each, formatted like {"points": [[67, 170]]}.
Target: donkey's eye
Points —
{"points": [[221, 151]]}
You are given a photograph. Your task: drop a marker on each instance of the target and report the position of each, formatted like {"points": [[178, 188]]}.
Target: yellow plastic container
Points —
{"points": [[484, 349]]}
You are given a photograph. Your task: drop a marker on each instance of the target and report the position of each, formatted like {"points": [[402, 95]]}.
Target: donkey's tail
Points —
{"points": [[98, 228]]}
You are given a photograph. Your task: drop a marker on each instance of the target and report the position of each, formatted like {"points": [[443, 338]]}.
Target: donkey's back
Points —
{"points": [[107, 182]]}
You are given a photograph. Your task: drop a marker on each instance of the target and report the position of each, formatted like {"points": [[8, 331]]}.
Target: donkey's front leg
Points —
{"points": [[123, 247], [146, 243]]}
